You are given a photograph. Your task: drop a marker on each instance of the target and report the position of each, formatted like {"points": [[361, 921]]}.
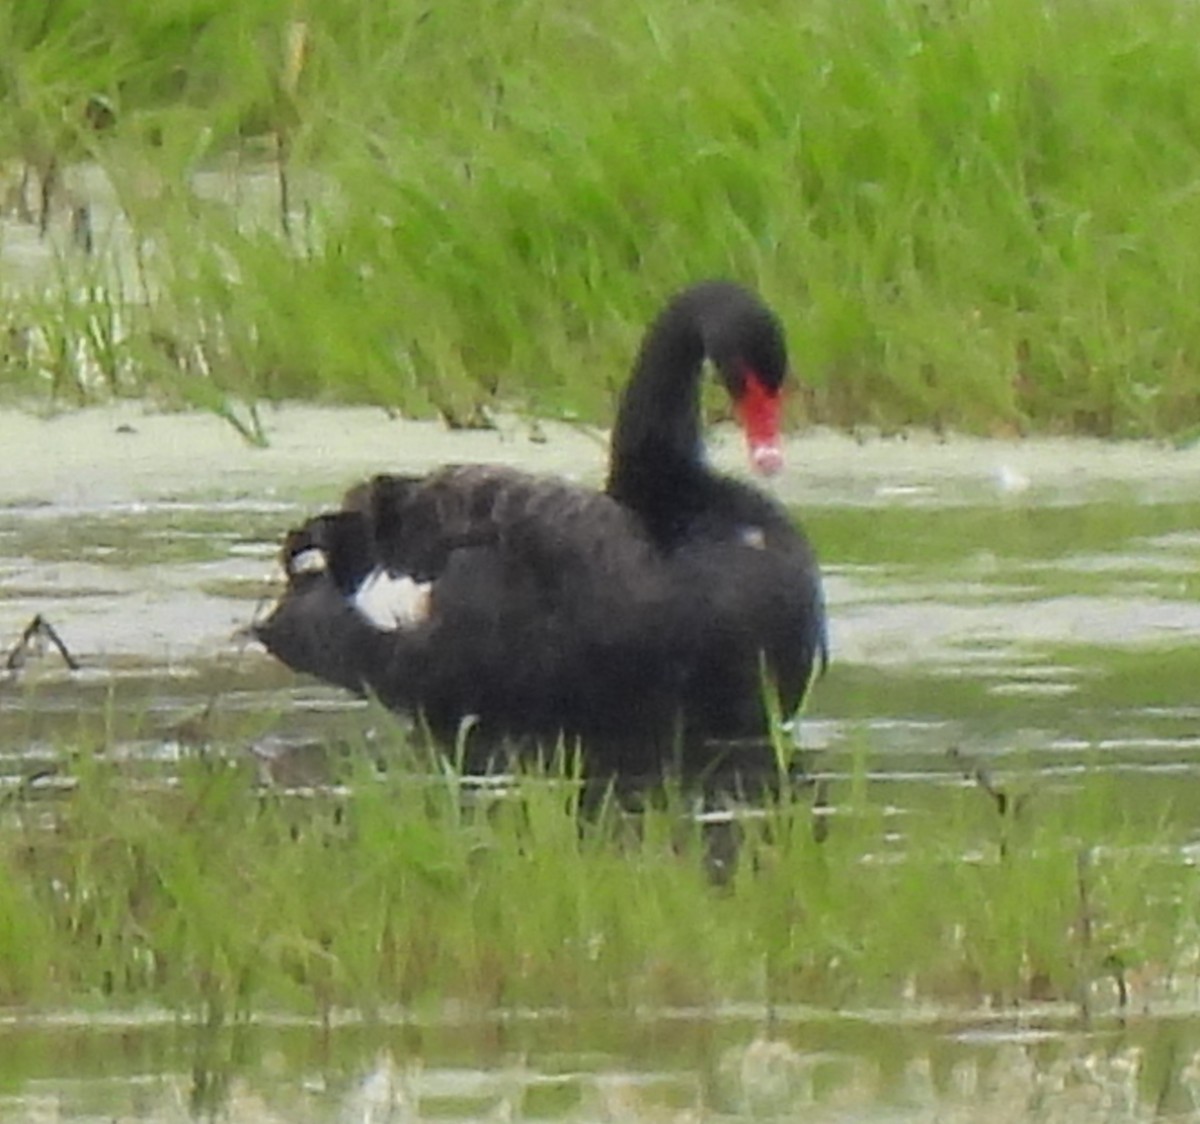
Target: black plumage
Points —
{"points": [[644, 620]]}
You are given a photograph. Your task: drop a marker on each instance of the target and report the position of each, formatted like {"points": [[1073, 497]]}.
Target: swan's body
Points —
{"points": [[644, 620]]}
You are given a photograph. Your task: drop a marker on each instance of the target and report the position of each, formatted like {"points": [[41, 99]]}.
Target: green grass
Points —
{"points": [[218, 898], [972, 213]]}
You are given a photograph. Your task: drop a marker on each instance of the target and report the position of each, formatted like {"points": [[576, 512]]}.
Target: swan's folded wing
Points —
{"points": [[551, 529]]}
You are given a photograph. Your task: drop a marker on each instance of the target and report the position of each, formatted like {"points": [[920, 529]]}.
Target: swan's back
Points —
{"points": [[562, 531]]}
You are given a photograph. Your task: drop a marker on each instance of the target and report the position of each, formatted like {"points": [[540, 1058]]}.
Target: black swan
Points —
{"points": [[644, 622]]}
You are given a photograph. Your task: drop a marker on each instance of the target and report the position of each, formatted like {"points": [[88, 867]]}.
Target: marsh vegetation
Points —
{"points": [[971, 215]]}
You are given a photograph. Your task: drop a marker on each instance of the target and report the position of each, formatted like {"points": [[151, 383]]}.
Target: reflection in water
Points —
{"points": [[1049, 625], [693, 1067]]}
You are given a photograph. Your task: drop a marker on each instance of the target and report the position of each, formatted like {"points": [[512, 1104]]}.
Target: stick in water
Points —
{"points": [[38, 629]]}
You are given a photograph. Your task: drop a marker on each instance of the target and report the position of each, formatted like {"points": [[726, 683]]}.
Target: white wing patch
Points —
{"points": [[309, 561], [754, 537], [393, 602]]}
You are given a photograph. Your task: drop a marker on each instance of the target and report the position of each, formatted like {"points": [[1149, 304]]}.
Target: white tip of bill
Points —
{"points": [[767, 458], [393, 602]]}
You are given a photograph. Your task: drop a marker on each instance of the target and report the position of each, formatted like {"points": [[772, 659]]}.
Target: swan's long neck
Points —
{"points": [[657, 436]]}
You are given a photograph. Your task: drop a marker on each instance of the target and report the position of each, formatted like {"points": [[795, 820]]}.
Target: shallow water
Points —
{"points": [[1030, 603], [679, 1066]]}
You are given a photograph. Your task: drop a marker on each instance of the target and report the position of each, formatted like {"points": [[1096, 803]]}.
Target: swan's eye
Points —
{"points": [[312, 560]]}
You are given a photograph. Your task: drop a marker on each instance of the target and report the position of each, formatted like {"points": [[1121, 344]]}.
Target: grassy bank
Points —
{"points": [[973, 213], [219, 898]]}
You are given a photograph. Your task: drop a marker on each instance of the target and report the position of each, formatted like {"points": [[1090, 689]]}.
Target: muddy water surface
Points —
{"points": [[1034, 602]]}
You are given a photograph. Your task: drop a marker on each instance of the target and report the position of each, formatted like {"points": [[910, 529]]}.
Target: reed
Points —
{"points": [[214, 896], [971, 214]]}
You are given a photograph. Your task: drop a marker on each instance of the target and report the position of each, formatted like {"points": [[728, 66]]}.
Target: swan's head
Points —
{"points": [[751, 356], [744, 341]]}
